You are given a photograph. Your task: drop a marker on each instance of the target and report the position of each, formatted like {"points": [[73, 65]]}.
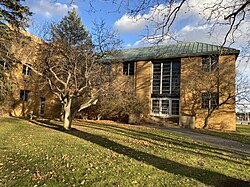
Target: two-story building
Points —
{"points": [[192, 82]]}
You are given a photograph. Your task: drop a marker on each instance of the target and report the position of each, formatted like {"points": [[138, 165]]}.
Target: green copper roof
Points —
{"points": [[173, 51]]}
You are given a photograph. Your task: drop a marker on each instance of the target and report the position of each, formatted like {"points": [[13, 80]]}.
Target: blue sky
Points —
{"points": [[189, 25], [53, 10]]}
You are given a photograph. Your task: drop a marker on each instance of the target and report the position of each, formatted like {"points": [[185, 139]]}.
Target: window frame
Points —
{"points": [[24, 95], [160, 105], [127, 66], [27, 71], [209, 63], [208, 99]]}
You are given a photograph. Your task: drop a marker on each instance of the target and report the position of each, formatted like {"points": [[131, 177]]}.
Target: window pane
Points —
{"points": [[166, 77], [206, 64], [175, 78], [24, 69], [131, 68], [214, 100], [128, 68], [214, 62], [205, 100], [29, 71], [155, 106], [125, 68], [156, 78], [165, 107], [22, 95], [175, 107], [42, 105]]}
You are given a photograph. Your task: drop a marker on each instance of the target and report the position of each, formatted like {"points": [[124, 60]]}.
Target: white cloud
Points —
{"points": [[128, 24], [197, 11], [49, 8], [154, 40]]}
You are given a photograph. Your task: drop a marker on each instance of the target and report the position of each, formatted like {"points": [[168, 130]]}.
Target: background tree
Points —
{"points": [[13, 16], [71, 67]]}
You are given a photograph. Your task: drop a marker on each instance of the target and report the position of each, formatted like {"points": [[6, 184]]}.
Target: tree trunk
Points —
{"points": [[205, 122], [207, 118], [67, 114]]}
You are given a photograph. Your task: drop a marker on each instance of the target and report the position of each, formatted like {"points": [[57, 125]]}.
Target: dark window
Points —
{"points": [[42, 105], [128, 68], [175, 107], [155, 106], [108, 68], [210, 63], [24, 95], [210, 100], [26, 70], [175, 86]]}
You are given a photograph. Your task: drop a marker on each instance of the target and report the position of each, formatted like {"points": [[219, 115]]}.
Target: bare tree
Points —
{"points": [[70, 64]]}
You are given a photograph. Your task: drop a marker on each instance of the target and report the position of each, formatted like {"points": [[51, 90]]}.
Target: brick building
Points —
{"points": [[184, 81]]}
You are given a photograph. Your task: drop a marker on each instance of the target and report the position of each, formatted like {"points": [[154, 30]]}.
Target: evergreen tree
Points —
{"points": [[14, 13], [71, 31]]}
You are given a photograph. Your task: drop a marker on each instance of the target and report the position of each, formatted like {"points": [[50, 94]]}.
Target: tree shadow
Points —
{"points": [[205, 176], [212, 152], [157, 137]]}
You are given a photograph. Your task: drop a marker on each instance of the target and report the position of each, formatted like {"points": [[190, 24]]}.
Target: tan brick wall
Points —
{"points": [[194, 82], [29, 52], [143, 81]]}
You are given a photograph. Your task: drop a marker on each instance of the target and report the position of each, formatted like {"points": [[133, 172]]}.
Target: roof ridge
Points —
{"points": [[176, 44]]}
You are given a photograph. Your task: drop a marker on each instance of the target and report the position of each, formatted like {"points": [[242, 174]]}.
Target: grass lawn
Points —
{"points": [[242, 133], [94, 154]]}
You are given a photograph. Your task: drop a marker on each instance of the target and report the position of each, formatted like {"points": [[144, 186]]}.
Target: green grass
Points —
{"points": [[91, 154], [242, 133]]}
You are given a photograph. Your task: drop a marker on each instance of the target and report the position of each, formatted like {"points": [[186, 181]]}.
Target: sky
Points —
{"points": [[189, 25]]}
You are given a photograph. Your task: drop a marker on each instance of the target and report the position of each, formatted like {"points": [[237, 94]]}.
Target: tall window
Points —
{"points": [[210, 100], [210, 63], [166, 87], [128, 68], [166, 78], [26, 70], [24, 95]]}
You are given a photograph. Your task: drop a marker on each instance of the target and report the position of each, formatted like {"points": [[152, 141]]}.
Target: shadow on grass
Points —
{"points": [[213, 152], [202, 175]]}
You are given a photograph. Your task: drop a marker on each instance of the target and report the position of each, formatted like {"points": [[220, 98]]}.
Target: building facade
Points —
{"points": [[191, 82]]}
